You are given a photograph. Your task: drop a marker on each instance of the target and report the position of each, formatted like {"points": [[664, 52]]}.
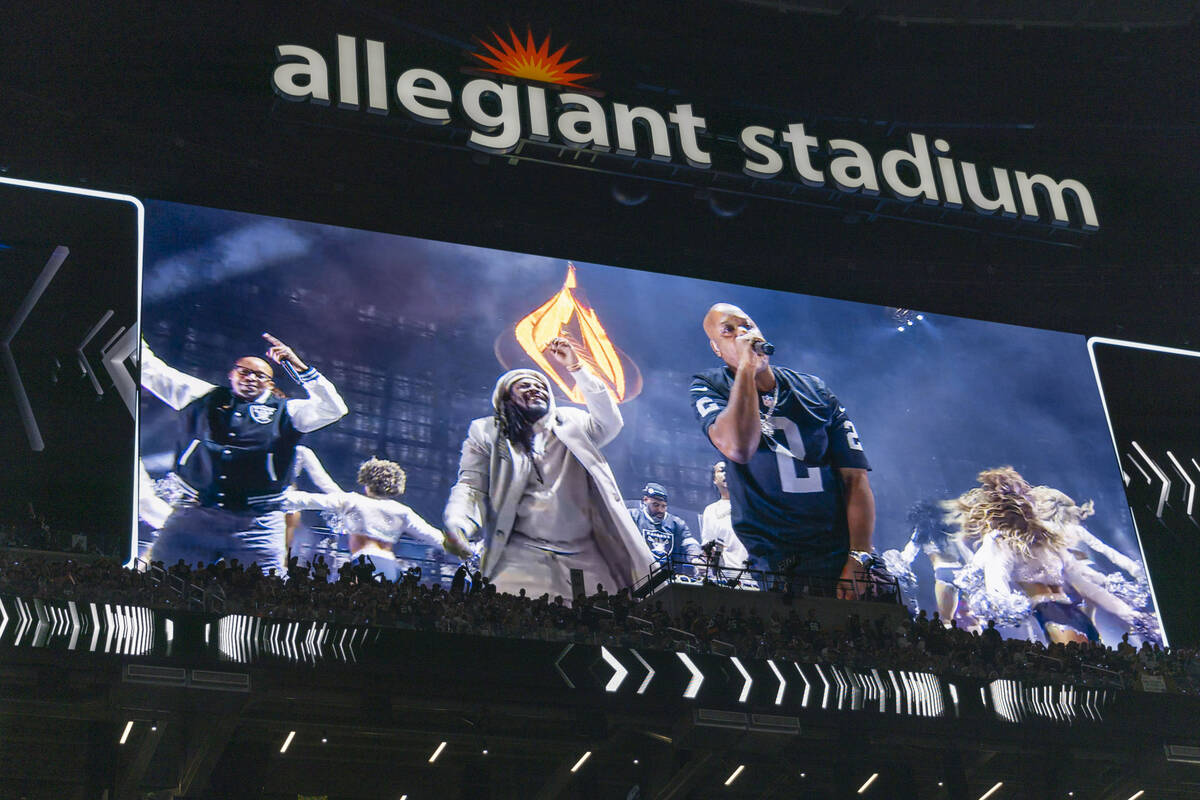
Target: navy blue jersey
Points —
{"points": [[787, 505], [669, 536]]}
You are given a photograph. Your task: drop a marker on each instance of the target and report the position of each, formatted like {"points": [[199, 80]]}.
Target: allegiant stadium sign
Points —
{"points": [[500, 114]]}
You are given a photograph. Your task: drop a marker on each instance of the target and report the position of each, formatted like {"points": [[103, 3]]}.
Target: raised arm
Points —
{"points": [[1119, 559], [415, 527], [307, 461], [295, 500], [169, 384], [737, 430], [323, 405], [604, 416]]}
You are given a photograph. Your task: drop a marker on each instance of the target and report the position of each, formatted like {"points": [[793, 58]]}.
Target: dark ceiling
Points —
{"points": [[176, 104]]}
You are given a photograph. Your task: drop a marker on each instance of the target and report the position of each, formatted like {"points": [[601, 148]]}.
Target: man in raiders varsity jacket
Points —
{"points": [[234, 455]]}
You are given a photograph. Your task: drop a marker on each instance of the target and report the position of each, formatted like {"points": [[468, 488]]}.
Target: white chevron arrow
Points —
{"points": [[693, 687], [649, 671], [32, 431], [747, 682], [619, 671], [782, 682]]}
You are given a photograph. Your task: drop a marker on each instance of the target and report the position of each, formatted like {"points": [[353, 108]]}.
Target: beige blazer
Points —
{"points": [[492, 477]]}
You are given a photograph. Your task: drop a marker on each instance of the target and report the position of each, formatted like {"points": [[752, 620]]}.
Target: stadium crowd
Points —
{"points": [[471, 606]]}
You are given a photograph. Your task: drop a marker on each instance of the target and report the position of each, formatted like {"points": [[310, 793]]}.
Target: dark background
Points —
{"points": [[81, 482]]}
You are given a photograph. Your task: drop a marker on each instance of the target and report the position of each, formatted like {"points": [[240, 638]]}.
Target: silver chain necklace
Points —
{"points": [[764, 419]]}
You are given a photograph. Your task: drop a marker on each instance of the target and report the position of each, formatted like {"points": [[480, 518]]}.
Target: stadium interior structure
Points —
{"points": [[118, 700]]}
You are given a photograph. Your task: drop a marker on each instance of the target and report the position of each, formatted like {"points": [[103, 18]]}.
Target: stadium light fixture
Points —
{"points": [[287, 742], [125, 733], [437, 752], [867, 783], [992, 790], [734, 775], [582, 760]]}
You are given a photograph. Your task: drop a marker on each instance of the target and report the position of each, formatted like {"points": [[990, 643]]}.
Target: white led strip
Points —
{"points": [[1092, 342]]}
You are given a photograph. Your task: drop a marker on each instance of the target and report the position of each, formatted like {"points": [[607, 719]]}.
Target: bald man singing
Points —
{"points": [[799, 496], [234, 455]]}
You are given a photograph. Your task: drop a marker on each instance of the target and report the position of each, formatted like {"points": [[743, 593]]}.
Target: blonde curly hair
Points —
{"points": [[1004, 505], [382, 478], [1056, 507]]}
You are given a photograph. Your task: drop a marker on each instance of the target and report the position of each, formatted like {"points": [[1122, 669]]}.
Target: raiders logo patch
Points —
{"points": [[261, 414]]}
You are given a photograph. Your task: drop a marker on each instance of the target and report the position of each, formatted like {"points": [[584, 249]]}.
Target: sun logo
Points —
{"points": [[529, 61]]}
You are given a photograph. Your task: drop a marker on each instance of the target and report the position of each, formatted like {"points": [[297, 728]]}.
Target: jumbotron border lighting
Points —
{"points": [[141, 244]]}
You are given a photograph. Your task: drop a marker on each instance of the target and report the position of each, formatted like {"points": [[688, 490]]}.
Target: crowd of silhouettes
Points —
{"points": [[352, 594]]}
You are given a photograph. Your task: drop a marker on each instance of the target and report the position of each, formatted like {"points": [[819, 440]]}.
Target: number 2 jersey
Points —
{"points": [[786, 502]]}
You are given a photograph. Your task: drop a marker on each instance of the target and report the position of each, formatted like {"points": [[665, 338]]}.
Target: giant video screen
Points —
{"points": [[336, 395]]}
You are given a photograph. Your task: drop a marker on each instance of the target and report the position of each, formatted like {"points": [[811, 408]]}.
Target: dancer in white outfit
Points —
{"points": [[374, 520]]}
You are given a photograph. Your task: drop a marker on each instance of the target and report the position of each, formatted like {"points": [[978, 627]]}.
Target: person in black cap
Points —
{"points": [[667, 535]]}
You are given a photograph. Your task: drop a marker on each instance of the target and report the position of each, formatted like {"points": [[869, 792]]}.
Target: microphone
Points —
{"points": [[291, 371], [763, 348]]}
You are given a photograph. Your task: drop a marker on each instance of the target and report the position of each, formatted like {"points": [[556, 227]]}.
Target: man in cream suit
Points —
{"points": [[533, 483]]}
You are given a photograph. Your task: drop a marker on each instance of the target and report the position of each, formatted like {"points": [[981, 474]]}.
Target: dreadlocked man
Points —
{"points": [[534, 485]]}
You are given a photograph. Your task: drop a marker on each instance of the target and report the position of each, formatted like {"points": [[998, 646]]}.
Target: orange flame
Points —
{"points": [[566, 314], [529, 61]]}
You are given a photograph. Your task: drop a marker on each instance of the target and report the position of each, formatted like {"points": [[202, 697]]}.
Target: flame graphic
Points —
{"points": [[567, 314], [529, 61]]}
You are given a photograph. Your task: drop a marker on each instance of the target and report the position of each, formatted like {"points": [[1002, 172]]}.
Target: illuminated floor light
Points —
{"points": [[734, 775], [437, 752], [582, 760], [287, 742], [125, 733], [1140, 792], [867, 784], [992, 790]]}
